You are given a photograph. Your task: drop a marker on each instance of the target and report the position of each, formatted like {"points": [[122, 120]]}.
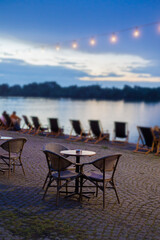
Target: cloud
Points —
{"points": [[95, 66]]}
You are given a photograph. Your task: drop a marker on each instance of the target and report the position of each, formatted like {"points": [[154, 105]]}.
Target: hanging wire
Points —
{"points": [[92, 40]]}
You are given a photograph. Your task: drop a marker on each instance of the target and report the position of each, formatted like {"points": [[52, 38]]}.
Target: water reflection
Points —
{"points": [[107, 111]]}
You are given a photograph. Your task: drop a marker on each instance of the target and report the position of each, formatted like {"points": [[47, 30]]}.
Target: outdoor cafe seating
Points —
{"points": [[60, 172]]}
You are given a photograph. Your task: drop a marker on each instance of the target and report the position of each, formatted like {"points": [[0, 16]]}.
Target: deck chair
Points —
{"points": [[37, 126], [145, 143], [12, 157], [56, 148], [58, 172], [102, 174], [9, 125], [28, 124], [54, 127], [97, 132], [120, 132], [78, 129]]}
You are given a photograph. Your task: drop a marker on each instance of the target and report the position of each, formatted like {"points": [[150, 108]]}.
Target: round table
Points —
{"points": [[78, 153]]}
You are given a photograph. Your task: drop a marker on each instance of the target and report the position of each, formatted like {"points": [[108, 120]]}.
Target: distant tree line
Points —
{"points": [[53, 90]]}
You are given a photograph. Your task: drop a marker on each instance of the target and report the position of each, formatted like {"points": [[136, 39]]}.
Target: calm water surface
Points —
{"points": [[144, 114]]}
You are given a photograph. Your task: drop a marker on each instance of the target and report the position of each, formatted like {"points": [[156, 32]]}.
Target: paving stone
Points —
{"points": [[138, 183]]}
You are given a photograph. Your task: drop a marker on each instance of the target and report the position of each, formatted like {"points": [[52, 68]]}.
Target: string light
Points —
{"points": [[74, 45], [136, 33], [113, 38], [92, 41]]}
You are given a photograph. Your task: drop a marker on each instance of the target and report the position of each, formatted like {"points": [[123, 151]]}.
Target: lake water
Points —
{"points": [[142, 114]]}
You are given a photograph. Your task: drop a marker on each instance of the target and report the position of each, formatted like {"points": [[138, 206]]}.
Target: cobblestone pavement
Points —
{"points": [[136, 217]]}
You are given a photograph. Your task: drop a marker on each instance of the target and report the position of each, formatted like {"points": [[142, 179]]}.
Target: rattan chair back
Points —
{"points": [[14, 145], [107, 163], [56, 162]]}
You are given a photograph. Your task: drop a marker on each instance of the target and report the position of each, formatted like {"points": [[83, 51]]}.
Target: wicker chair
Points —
{"points": [[12, 158], [58, 172], [100, 178], [56, 148]]}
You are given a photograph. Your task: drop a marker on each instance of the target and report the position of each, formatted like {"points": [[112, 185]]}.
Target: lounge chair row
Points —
{"points": [[148, 140], [77, 131]]}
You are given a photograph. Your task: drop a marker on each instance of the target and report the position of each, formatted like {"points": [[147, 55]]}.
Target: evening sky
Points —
{"points": [[31, 29]]}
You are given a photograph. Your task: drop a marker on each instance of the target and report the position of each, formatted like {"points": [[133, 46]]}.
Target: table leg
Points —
{"points": [[77, 170]]}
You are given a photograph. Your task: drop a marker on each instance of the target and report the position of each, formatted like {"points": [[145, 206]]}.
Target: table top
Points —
{"points": [[80, 153]]}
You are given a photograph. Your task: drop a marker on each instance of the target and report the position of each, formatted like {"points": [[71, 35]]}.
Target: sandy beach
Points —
{"points": [[24, 215]]}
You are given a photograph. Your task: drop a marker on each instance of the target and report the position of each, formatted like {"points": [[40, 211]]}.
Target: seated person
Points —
{"points": [[16, 121]]}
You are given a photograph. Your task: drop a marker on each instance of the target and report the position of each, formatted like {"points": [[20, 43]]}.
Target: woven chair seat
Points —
{"points": [[98, 176], [64, 175]]}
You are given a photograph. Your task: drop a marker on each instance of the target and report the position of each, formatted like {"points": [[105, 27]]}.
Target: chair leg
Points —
{"points": [[9, 170], [66, 187], [50, 181], [81, 185], [45, 181], [97, 191], [22, 166], [114, 187], [57, 196], [104, 204]]}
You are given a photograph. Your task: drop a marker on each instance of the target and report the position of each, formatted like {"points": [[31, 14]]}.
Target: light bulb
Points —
{"points": [[136, 33], [92, 41], [113, 38], [74, 45]]}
